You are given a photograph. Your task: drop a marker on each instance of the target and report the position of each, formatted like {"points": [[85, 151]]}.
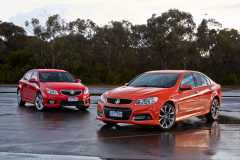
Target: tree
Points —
{"points": [[167, 34], [116, 52], [86, 28], [55, 27], [112, 44], [206, 38], [225, 56], [9, 30]]}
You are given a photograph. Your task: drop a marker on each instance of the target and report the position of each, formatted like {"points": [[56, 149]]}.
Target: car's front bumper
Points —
{"points": [[132, 114], [56, 101]]}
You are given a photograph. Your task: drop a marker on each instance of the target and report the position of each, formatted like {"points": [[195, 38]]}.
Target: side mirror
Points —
{"points": [[33, 80], [185, 87], [125, 84], [78, 81]]}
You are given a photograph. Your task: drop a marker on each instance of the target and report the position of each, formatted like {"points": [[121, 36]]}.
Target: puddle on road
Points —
{"points": [[228, 120], [6, 114], [190, 136]]}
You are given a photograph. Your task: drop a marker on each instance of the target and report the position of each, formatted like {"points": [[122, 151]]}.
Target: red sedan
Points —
{"points": [[52, 88], [161, 98]]}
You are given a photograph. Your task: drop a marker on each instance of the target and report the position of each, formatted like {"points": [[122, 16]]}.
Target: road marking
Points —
{"points": [[30, 156]]}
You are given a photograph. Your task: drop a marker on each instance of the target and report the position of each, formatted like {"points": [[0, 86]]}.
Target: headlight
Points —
{"points": [[103, 98], [51, 91], [86, 91], [147, 101]]}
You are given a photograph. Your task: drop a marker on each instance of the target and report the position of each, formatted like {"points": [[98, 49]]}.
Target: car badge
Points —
{"points": [[117, 101], [72, 92]]}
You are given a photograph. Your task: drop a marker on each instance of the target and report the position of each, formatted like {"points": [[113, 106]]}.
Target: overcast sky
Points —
{"points": [[136, 11]]}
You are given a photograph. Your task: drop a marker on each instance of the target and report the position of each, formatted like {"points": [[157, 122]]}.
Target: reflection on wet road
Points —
{"points": [[71, 132]]}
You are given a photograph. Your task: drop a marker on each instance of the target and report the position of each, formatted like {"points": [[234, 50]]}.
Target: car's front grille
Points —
{"points": [[126, 113], [66, 103], [71, 92], [118, 101]]}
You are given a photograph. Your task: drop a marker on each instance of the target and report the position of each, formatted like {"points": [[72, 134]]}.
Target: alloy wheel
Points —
{"points": [[19, 97], [167, 116], [39, 102], [20, 102], [215, 109]]}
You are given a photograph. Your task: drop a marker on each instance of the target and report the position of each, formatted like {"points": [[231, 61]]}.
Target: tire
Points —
{"points": [[214, 111], [19, 99], [39, 102], [167, 116], [81, 108]]}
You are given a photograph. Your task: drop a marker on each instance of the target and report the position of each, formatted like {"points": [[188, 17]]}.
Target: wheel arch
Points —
{"points": [[19, 88], [38, 92], [170, 102], [217, 97]]}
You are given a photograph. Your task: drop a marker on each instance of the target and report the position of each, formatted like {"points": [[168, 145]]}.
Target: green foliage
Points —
{"points": [[118, 51]]}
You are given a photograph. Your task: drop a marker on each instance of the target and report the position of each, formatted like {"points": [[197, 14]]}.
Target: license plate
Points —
{"points": [[118, 114], [72, 99]]}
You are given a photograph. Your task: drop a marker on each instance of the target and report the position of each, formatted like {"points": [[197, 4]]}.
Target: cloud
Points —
{"points": [[41, 13], [103, 11], [226, 7]]}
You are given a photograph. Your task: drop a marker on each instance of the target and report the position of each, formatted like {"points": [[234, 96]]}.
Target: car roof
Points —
{"points": [[50, 70], [170, 71]]}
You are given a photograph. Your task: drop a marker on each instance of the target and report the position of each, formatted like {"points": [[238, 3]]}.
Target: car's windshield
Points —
{"points": [[56, 77], [159, 80]]}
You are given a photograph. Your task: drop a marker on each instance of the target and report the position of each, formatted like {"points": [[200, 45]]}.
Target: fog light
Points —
{"points": [[51, 102], [142, 117]]}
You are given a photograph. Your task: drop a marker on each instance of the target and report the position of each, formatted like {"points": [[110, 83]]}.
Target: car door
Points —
{"points": [[204, 91], [25, 85], [187, 99], [33, 86]]}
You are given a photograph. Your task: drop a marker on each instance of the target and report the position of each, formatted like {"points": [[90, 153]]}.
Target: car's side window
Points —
{"points": [[34, 75], [207, 79], [200, 80], [188, 80], [27, 76]]}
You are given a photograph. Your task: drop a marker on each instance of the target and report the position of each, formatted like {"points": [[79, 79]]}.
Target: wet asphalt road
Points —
{"points": [[27, 134]]}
